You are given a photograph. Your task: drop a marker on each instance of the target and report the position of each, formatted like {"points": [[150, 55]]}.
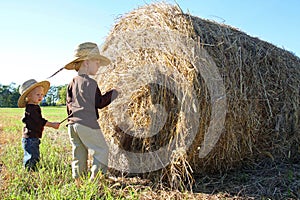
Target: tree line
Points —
{"points": [[9, 95]]}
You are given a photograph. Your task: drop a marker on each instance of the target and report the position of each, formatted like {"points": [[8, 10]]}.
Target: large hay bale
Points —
{"points": [[195, 94]]}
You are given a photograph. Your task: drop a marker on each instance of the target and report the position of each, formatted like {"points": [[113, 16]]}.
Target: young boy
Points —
{"points": [[83, 101], [32, 93]]}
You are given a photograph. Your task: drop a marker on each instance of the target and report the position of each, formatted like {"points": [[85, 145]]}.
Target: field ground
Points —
{"points": [[267, 180]]}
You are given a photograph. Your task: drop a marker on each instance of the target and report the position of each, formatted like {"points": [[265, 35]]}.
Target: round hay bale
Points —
{"points": [[195, 96]]}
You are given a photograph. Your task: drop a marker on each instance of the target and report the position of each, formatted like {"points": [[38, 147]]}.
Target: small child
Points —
{"points": [[32, 93], [83, 101]]}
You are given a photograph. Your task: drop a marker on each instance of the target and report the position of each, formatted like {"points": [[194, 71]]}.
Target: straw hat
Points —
{"points": [[84, 51], [27, 87]]}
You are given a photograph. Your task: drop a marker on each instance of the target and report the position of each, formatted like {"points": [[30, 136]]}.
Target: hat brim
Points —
{"points": [[103, 61], [22, 98]]}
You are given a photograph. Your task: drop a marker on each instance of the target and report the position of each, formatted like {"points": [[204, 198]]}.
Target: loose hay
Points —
{"points": [[199, 96]]}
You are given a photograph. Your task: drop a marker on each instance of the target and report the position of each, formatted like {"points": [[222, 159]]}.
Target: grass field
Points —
{"points": [[54, 181]]}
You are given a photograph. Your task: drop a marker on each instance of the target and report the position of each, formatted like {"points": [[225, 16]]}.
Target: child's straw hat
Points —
{"points": [[27, 87], [84, 51]]}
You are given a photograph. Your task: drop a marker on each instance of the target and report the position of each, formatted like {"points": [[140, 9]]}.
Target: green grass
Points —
{"points": [[53, 180]]}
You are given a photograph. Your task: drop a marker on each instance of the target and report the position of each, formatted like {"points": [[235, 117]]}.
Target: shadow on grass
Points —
{"points": [[263, 181]]}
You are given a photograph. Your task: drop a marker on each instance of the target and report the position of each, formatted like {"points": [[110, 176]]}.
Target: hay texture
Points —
{"points": [[196, 96]]}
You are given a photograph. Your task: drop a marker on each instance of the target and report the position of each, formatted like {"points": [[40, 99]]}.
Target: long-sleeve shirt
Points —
{"points": [[84, 98], [34, 122]]}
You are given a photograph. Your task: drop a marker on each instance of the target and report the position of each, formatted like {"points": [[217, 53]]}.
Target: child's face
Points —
{"points": [[36, 95], [93, 66]]}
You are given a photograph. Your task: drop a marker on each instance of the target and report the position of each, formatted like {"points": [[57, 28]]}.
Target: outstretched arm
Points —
{"points": [[102, 101], [53, 124]]}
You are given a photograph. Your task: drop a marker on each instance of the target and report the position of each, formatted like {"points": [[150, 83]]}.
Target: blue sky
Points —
{"points": [[38, 37]]}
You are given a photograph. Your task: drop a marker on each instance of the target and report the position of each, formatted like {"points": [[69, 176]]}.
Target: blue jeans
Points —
{"points": [[31, 148]]}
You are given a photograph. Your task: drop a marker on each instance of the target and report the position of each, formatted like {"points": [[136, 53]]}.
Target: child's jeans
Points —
{"points": [[84, 139], [31, 147]]}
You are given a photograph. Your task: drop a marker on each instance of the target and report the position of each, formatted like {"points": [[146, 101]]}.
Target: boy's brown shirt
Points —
{"points": [[84, 98]]}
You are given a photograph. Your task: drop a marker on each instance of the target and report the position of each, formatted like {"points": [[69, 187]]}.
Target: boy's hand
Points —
{"points": [[56, 125], [114, 95]]}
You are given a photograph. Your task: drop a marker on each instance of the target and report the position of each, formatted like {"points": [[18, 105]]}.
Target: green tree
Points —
{"points": [[9, 95], [52, 96], [62, 95]]}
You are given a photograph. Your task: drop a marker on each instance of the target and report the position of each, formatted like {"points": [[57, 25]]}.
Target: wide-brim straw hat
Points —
{"points": [[27, 87], [84, 51]]}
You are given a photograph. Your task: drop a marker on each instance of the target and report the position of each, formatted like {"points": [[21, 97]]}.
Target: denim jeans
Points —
{"points": [[31, 148]]}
